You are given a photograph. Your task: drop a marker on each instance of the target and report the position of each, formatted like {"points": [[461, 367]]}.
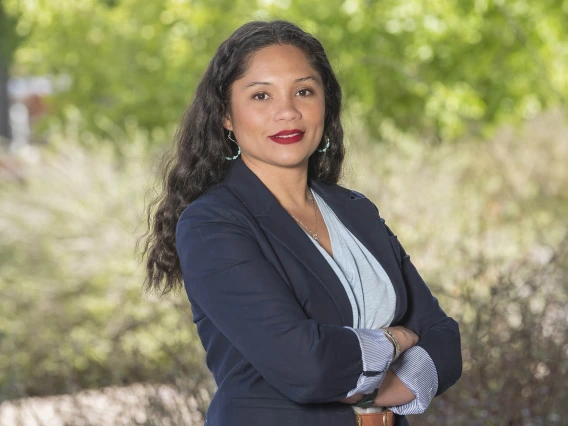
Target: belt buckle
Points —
{"points": [[385, 416], [384, 413]]}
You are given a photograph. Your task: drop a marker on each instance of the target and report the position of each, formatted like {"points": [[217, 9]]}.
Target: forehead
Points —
{"points": [[278, 63]]}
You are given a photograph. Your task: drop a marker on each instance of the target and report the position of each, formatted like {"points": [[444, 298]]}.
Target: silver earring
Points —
{"points": [[326, 145], [231, 139]]}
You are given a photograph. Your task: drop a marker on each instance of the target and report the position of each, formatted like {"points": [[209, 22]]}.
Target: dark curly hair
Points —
{"points": [[201, 144]]}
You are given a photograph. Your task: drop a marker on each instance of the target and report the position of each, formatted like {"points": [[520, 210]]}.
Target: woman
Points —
{"points": [[309, 309]]}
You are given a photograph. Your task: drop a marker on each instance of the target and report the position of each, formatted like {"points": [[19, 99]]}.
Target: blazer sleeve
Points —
{"points": [[226, 274], [438, 333]]}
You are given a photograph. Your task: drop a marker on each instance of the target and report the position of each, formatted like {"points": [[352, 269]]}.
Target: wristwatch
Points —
{"points": [[368, 400], [394, 342]]}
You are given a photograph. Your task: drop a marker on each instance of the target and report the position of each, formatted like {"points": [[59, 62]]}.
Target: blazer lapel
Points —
{"points": [[281, 226], [276, 222]]}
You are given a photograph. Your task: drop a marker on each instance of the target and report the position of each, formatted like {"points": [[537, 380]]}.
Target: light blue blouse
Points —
{"points": [[373, 303]]}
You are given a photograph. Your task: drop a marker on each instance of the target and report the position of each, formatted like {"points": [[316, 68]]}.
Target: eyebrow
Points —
{"points": [[266, 83]]}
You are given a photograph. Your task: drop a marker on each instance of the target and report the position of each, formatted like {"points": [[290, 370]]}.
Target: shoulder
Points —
{"points": [[356, 195], [339, 191], [216, 206]]}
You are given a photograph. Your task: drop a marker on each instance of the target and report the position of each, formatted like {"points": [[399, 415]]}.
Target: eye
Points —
{"points": [[305, 92], [260, 96]]}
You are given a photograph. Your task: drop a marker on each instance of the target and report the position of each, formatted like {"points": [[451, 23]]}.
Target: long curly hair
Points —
{"points": [[197, 160]]}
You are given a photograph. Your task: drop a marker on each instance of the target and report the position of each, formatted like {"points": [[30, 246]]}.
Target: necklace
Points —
{"points": [[313, 234]]}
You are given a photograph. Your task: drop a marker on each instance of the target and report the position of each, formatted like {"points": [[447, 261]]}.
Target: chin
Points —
{"points": [[291, 161]]}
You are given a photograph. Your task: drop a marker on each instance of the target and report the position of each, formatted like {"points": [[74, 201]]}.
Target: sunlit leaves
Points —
{"points": [[439, 69]]}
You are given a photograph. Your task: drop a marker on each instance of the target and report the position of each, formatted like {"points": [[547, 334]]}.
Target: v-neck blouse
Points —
{"points": [[369, 288]]}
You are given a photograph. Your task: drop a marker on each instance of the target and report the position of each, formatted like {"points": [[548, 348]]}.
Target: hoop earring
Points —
{"points": [[231, 139], [326, 145]]}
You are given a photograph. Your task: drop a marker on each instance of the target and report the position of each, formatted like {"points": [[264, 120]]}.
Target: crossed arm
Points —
{"points": [[406, 387], [392, 391]]}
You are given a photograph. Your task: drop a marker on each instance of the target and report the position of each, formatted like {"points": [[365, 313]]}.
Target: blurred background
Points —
{"points": [[457, 128]]}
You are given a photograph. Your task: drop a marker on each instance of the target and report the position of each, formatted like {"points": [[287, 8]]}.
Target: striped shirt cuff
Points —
{"points": [[417, 371], [377, 351]]}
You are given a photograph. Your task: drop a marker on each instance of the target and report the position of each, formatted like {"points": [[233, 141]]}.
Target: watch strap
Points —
{"points": [[368, 400]]}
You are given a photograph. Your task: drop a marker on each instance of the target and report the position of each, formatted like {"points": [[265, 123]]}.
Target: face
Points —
{"points": [[279, 93]]}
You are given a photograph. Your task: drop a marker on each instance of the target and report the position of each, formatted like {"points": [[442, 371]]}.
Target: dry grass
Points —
{"points": [[137, 404]]}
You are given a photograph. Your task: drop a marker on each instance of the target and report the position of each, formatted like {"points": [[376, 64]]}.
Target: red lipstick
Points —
{"points": [[287, 136]]}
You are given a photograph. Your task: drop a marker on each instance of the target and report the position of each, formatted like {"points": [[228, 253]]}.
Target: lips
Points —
{"points": [[287, 136]]}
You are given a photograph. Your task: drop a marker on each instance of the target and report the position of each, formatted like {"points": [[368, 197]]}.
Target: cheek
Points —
{"points": [[322, 109], [316, 111], [249, 118]]}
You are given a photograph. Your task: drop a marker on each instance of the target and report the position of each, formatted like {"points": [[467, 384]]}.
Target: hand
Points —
{"points": [[353, 398], [406, 337], [393, 392]]}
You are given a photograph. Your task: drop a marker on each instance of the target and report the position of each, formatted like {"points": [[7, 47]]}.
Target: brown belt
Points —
{"points": [[386, 418]]}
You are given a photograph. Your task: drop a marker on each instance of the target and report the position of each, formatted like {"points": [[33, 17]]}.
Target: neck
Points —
{"points": [[288, 185]]}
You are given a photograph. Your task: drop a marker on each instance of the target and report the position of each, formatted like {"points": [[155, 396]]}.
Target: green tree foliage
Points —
{"points": [[438, 69], [9, 38]]}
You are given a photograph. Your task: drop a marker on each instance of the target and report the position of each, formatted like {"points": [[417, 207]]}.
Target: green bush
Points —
{"points": [[73, 312]]}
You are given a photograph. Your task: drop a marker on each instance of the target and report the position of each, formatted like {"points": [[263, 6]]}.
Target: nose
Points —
{"points": [[286, 109]]}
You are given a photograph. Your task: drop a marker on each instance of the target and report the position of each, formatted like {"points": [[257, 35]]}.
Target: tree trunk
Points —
{"points": [[5, 132]]}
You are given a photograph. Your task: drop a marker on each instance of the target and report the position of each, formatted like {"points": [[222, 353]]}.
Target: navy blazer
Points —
{"points": [[271, 312]]}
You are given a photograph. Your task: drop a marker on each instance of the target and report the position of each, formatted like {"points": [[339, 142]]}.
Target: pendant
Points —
{"points": [[315, 236]]}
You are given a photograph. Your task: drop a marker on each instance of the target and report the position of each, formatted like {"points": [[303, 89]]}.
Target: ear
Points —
{"points": [[227, 124]]}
